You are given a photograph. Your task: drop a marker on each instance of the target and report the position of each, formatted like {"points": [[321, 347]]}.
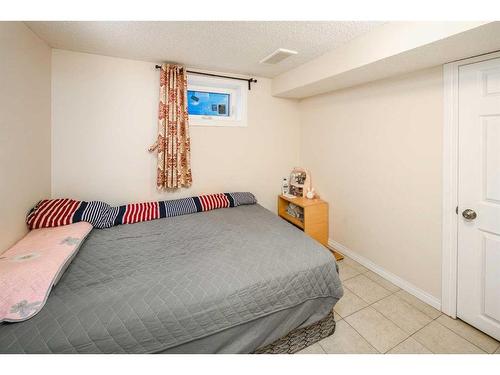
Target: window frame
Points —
{"points": [[237, 101]]}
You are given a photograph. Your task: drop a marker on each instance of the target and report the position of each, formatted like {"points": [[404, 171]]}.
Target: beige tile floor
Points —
{"points": [[375, 316]]}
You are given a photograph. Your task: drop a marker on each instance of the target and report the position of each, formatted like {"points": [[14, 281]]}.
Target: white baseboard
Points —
{"points": [[396, 280]]}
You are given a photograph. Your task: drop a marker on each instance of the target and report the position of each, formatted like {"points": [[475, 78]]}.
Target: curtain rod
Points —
{"points": [[249, 80]]}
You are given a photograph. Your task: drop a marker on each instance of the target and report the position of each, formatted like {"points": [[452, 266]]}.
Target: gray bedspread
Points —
{"points": [[151, 286]]}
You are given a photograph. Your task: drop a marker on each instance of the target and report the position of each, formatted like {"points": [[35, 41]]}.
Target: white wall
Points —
{"points": [[375, 155], [104, 119], [24, 127]]}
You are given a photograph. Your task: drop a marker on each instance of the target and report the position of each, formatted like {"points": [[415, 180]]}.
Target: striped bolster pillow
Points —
{"points": [[57, 212]]}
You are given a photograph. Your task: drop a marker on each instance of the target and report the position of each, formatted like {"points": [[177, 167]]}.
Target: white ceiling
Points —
{"points": [[235, 47]]}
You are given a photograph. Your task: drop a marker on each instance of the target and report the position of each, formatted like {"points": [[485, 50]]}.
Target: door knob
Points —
{"points": [[469, 214]]}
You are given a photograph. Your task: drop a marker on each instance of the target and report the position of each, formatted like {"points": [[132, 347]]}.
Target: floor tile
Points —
{"points": [[406, 317], [336, 316], [346, 272], [379, 331], [346, 340], [368, 290], [422, 306], [352, 263], [440, 339], [313, 349], [348, 304], [478, 338], [409, 346], [381, 281]]}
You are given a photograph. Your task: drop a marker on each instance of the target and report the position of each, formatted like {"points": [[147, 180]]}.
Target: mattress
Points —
{"points": [[228, 280]]}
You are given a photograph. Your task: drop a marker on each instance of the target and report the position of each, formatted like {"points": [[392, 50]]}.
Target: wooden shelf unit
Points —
{"points": [[315, 222]]}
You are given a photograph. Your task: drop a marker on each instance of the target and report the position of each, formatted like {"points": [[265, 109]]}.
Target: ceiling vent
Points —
{"points": [[277, 56]]}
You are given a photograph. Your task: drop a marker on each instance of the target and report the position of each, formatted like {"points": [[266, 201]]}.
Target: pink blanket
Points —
{"points": [[30, 268]]}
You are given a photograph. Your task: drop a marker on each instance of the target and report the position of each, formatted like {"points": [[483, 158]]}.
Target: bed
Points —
{"points": [[231, 280]]}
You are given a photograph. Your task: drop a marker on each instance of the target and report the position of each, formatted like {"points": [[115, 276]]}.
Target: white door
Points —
{"points": [[478, 300]]}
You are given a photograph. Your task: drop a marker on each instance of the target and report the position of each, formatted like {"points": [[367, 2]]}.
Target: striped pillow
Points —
{"points": [[137, 212], [243, 198], [57, 212], [213, 201], [97, 213], [52, 213]]}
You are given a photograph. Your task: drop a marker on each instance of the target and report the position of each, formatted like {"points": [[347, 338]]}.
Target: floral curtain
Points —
{"points": [[173, 143]]}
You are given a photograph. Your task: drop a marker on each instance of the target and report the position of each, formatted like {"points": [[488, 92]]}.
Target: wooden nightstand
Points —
{"points": [[315, 220]]}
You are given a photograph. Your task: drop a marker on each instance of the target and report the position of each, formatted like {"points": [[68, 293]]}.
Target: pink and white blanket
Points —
{"points": [[30, 268]]}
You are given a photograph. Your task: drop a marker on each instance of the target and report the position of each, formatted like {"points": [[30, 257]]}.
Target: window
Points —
{"points": [[216, 101], [202, 103]]}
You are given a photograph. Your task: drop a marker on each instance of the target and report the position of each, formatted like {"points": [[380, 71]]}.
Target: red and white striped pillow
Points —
{"points": [[213, 201], [137, 212], [52, 213]]}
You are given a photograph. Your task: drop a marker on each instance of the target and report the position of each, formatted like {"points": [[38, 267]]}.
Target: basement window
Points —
{"points": [[216, 101], [208, 103]]}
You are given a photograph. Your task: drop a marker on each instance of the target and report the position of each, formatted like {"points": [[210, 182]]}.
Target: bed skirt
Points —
{"points": [[301, 338]]}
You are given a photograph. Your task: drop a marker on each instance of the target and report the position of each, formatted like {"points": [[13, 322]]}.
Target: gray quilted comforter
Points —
{"points": [[150, 286]]}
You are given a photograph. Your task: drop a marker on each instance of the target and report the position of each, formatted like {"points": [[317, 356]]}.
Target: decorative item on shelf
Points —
{"points": [[310, 194], [285, 188], [300, 182], [295, 211]]}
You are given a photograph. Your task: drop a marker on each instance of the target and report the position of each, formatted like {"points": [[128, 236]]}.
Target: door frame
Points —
{"points": [[449, 272]]}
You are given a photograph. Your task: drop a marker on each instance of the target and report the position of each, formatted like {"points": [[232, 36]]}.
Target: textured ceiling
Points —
{"points": [[221, 46]]}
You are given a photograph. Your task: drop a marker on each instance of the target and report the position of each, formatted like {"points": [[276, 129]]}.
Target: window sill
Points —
{"points": [[203, 123]]}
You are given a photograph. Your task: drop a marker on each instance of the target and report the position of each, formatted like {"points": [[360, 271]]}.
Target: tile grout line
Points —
{"points": [[448, 330], [459, 335], [391, 293], [414, 333], [321, 346], [465, 338], [456, 333], [418, 330], [363, 273], [363, 337], [401, 328], [368, 304]]}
